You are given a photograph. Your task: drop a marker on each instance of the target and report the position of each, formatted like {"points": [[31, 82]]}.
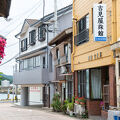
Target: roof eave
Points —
{"points": [[60, 36]]}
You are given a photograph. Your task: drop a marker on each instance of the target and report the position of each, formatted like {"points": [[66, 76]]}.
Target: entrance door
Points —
{"points": [[96, 90], [46, 96]]}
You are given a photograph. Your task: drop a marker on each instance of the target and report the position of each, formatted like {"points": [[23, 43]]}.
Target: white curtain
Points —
{"points": [[96, 83]]}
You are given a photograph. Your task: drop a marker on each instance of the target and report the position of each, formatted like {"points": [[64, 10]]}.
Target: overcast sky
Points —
{"points": [[20, 10]]}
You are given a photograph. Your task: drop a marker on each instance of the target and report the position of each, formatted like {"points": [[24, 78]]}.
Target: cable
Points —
{"points": [[22, 21], [23, 14], [12, 45], [9, 59]]}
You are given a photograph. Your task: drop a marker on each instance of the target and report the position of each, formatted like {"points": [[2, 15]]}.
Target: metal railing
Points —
{"points": [[82, 37]]}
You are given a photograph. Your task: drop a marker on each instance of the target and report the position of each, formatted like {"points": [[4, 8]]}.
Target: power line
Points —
{"points": [[12, 45], [9, 59], [22, 21], [22, 14]]}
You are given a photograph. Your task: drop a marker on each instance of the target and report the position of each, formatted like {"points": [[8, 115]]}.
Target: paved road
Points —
{"points": [[9, 111]]}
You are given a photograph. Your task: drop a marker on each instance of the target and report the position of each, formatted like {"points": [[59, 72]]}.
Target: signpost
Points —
{"points": [[99, 21]]}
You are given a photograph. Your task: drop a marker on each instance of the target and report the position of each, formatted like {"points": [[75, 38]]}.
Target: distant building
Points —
{"points": [[5, 83]]}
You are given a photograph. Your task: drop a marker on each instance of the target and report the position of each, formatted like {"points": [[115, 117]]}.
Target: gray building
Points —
{"points": [[34, 70]]}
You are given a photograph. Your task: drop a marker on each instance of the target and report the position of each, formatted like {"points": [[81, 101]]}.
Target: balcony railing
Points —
{"points": [[82, 37], [34, 76]]}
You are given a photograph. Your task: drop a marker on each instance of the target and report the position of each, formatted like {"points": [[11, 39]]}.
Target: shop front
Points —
{"points": [[95, 85]]}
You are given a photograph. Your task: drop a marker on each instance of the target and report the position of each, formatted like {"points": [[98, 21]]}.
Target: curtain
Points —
{"points": [[96, 84]]}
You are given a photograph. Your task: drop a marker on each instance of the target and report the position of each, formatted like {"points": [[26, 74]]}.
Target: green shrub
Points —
{"points": [[64, 106], [56, 104], [70, 106]]}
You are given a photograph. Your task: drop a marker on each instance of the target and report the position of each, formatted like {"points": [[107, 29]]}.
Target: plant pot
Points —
{"points": [[71, 113]]}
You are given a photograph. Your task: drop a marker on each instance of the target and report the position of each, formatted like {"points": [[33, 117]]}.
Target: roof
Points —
{"points": [[31, 21], [61, 36], [51, 15], [5, 8]]}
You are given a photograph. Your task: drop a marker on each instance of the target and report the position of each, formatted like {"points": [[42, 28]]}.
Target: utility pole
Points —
{"points": [[55, 17], [43, 8]]}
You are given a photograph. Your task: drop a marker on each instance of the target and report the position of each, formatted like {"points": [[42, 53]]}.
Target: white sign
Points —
{"points": [[99, 22]]}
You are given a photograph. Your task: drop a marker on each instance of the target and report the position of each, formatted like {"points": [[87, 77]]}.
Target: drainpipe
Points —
{"points": [[74, 32], [47, 45]]}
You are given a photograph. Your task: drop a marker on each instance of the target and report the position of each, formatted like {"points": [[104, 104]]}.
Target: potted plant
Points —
{"points": [[56, 104], [64, 106], [70, 107], [79, 106], [102, 105]]}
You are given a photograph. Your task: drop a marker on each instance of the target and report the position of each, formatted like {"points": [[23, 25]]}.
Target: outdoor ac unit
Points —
{"points": [[63, 69]]}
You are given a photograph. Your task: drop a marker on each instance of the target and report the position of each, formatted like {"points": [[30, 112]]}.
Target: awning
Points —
{"points": [[57, 81], [67, 74], [61, 36], [115, 45]]}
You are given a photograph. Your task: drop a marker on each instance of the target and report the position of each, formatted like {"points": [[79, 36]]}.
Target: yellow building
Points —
{"points": [[93, 63]]}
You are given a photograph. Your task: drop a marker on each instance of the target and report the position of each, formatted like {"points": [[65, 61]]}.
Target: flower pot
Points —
{"points": [[71, 113]]}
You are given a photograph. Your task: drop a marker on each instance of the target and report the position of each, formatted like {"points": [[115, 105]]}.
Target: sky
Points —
{"points": [[19, 11]]}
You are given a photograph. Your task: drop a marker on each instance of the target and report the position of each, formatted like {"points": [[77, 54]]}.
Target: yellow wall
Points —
{"points": [[82, 52]]}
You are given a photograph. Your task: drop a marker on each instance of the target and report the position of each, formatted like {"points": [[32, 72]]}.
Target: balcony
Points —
{"points": [[64, 59], [34, 76], [82, 37]]}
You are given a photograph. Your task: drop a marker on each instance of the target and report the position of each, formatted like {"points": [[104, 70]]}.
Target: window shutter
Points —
{"points": [[42, 33], [25, 43]]}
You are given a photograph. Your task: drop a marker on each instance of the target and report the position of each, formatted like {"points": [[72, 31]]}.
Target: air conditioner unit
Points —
{"points": [[63, 69]]}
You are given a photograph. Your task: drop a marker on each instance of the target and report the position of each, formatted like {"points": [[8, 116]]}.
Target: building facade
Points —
{"points": [[35, 71], [62, 63], [115, 47], [92, 63]]}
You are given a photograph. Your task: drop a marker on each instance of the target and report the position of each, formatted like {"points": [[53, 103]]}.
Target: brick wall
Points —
{"points": [[93, 107], [112, 83], [75, 84]]}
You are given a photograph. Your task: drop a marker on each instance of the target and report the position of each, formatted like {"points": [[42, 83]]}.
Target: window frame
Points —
{"points": [[32, 37], [24, 44], [41, 33]]}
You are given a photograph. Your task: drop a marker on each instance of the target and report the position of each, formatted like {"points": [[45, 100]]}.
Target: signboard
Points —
{"points": [[99, 22]]}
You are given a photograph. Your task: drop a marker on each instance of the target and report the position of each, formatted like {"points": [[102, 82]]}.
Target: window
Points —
{"points": [[25, 64], [41, 33], [66, 49], [96, 89], [37, 61], [83, 24], [70, 86], [50, 62], [58, 55], [82, 30], [32, 37], [21, 65], [83, 83], [30, 63], [44, 62], [24, 45]]}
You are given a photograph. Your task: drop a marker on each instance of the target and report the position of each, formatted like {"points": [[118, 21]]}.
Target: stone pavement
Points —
{"points": [[10, 111]]}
